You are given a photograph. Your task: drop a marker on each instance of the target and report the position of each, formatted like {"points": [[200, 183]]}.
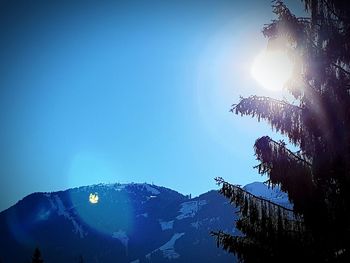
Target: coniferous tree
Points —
{"points": [[317, 177], [37, 256]]}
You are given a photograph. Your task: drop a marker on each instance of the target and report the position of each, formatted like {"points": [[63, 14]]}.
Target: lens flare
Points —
{"points": [[272, 69], [93, 198], [103, 208]]}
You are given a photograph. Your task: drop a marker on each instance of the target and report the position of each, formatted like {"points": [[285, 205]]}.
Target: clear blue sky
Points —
{"points": [[127, 91]]}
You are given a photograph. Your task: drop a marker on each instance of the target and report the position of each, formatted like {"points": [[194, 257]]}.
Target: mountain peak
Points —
{"points": [[134, 222], [274, 194]]}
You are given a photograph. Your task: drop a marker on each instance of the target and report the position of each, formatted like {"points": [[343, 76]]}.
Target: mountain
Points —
{"points": [[120, 223], [273, 194]]}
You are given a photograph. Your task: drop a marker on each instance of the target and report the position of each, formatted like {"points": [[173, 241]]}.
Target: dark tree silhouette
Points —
{"points": [[37, 256], [317, 177]]}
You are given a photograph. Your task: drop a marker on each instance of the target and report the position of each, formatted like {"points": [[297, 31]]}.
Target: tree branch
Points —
{"points": [[254, 97], [332, 10], [220, 180], [290, 152], [341, 68]]}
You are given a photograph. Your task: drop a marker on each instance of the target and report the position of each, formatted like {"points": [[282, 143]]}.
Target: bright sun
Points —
{"points": [[272, 69]]}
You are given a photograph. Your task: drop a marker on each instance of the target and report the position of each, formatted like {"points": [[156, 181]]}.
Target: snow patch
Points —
{"points": [[122, 237], [52, 203], [273, 194], [195, 224], [214, 219], [58, 205], [61, 209], [43, 215], [145, 215], [150, 189], [119, 187], [189, 209], [166, 225], [168, 249]]}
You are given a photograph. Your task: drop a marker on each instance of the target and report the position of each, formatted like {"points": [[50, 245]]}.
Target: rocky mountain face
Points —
{"points": [[120, 223]]}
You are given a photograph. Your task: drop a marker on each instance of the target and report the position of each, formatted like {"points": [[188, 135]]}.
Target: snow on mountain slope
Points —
{"points": [[122, 237], [189, 209], [129, 223], [168, 248], [166, 225]]}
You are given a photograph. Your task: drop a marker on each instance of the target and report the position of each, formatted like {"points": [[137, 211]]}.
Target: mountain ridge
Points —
{"points": [[129, 223]]}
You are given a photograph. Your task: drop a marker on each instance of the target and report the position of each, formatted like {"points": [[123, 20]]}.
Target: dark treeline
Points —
{"points": [[37, 257]]}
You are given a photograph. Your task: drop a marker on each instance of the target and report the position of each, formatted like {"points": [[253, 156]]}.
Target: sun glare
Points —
{"points": [[272, 69], [93, 198]]}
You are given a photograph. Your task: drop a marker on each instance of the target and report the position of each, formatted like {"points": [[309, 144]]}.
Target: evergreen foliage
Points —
{"points": [[37, 256], [317, 177]]}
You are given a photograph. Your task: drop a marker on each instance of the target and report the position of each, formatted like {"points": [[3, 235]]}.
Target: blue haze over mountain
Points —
{"points": [[130, 223]]}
